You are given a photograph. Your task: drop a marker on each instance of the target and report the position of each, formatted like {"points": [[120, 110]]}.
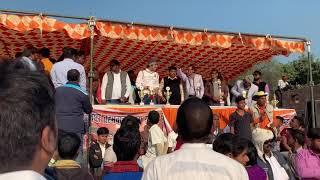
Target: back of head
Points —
{"points": [[130, 122], [27, 108], [314, 133], [239, 145], [69, 53], [223, 143], [126, 144], [27, 52], [252, 154], [45, 52], [102, 131], [73, 75], [114, 62], [68, 145], [297, 135], [194, 120], [153, 117], [172, 68]]}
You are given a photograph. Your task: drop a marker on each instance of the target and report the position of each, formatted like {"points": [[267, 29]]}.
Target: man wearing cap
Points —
{"points": [[193, 82], [148, 79], [244, 88], [116, 86], [262, 112]]}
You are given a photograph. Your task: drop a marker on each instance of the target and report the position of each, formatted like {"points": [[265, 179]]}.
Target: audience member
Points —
{"points": [[97, 151], [240, 120], [255, 172], [257, 80], [262, 112], [272, 162], [296, 123], [46, 62], [29, 59], [223, 144], [116, 86], [80, 57], [194, 160], [66, 168], [296, 141], [126, 145], [307, 161], [157, 141], [246, 89], [193, 82], [28, 130], [174, 83], [60, 69], [71, 104]]}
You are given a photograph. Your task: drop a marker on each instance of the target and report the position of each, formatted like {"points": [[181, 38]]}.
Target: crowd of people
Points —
{"points": [[43, 103]]}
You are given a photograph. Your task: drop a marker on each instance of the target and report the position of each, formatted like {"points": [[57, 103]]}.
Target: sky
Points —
{"points": [[278, 17]]}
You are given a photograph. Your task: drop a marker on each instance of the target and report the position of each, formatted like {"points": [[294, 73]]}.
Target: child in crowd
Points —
{"points": [[157, 141], [97, 151]]}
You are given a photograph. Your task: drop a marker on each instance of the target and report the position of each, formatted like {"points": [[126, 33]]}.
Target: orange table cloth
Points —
{"points": [[170, 112]]}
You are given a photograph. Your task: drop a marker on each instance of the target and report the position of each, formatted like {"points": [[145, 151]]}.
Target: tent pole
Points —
{"points": [[311, 83], [91, 24]]}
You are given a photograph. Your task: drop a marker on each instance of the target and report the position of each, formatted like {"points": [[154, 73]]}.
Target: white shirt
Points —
{"points": [[282, 84], [279, 173], [110, 155], [238, 89], [194, 161], [59, 73], [147, 78], [19, 175], [103, 149], [116, 88]]}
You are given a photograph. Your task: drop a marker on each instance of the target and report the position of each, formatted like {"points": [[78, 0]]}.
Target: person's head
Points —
{"points": [[172, 71], [126, 144], [115, 66], [44, 53], [297, 122], [194, 120], [223, 144], [80, 57], [257, 75], [285, 78], [295, 99], [314, 135], [68, 145], [280, 120], [241, 102], [69, 53], [252, 154], [240, 150], [152, 64], [132, 75], [130, 122], [153, 117], [190, 70], [73, 75], [216, 123], [214, 74], [31, 52], [262, 139], [295, 138], [18, 55], [247, 81], [103, 133], [261, 98], [28, 128]]}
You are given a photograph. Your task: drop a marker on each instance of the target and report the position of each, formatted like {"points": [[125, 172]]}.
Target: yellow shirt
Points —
{"points": [[47, 64]]}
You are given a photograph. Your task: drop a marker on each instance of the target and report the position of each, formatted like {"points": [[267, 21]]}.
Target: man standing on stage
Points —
{"points": [[116, 86], [175, 85], [148, 80], [193, 82], [257, 80]]}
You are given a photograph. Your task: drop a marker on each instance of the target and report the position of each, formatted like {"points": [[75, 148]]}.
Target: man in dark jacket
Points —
{"points": [[97, 152], [71, 104]]}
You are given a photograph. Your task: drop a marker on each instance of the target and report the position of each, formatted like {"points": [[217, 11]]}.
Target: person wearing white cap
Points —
{"points": [[148, 79], [273, 162], [262, 112], [244, 88]]}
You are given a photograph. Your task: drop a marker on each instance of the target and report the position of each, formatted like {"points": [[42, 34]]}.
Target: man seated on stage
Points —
{"points": [[71, 104], [194, 160], [126, 145], [176, 88], [262, 112], [148, 82], [246, 89], [257, 80], [116, 86], [193, 82]]}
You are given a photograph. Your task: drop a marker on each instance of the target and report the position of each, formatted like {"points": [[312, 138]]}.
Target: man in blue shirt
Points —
{"points": [[59, 70]]}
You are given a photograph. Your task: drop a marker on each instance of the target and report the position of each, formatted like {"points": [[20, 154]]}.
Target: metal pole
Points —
{"points": [[91, 24], [311, 83]]}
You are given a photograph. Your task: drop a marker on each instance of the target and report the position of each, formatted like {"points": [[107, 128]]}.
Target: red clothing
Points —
{"points": [[179, 143], [125, 166]]}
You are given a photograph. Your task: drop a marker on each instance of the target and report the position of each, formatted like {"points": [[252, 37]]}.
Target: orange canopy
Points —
{"points": [[133, 45]]}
